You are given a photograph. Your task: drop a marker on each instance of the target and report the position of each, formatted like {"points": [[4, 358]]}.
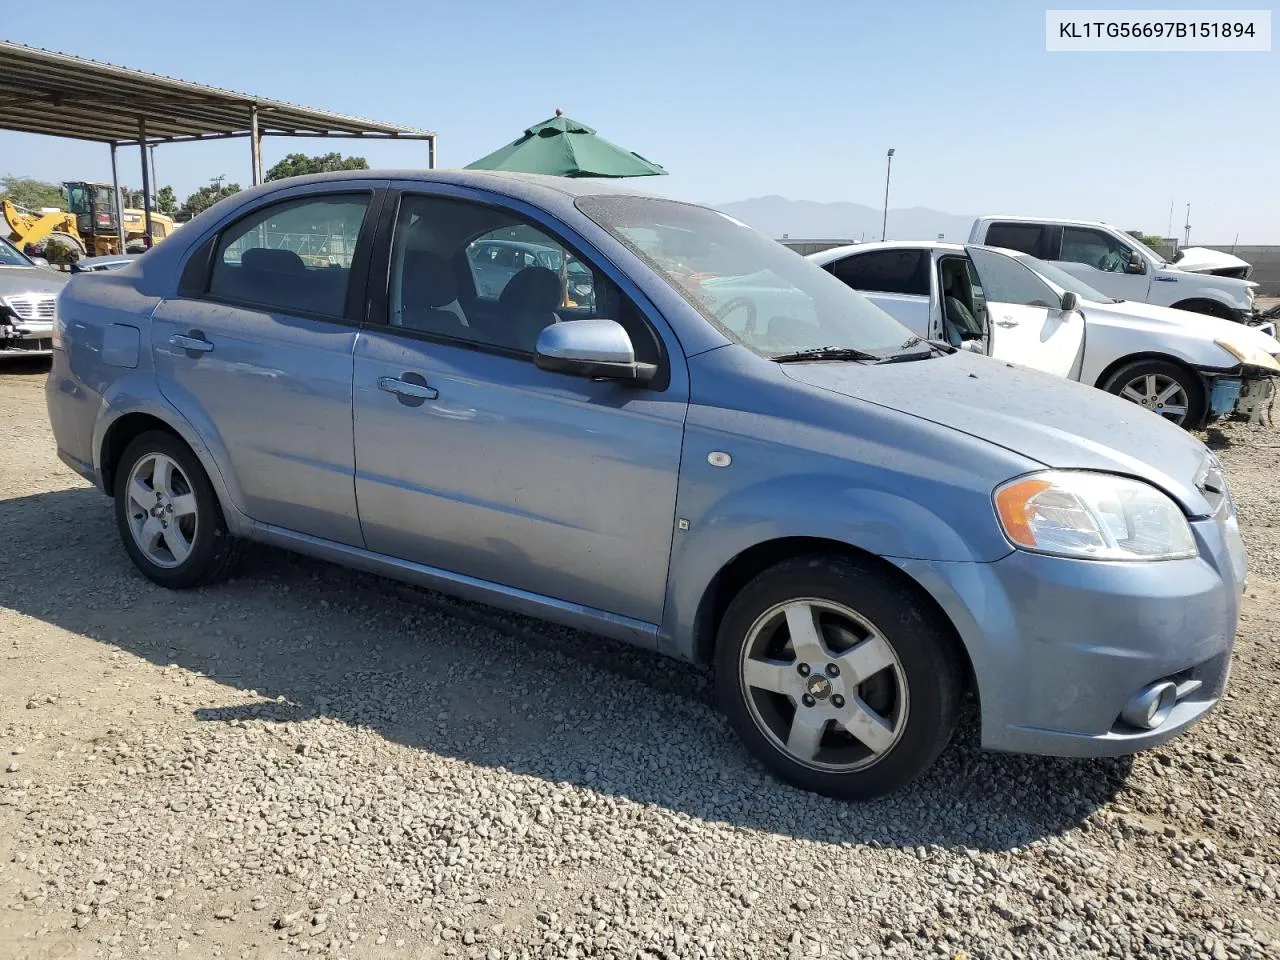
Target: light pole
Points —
{"points": [[888, 169]]}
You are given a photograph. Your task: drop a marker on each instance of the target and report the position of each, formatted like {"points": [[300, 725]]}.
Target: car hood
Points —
{"points": [[1054, 421], [1203, 260], [1256, 346], [15, 280]]}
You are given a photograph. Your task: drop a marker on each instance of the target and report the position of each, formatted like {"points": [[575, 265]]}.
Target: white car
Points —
{"points": [[1189, 369], [1124, 267]]}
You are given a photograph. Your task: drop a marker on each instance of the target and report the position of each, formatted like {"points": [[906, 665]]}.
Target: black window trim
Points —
{"points": [[378, 300], [922, 251], [197, 275]]}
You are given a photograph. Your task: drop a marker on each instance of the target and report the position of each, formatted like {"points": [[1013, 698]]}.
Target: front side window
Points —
{"points": [[294, 257], [10, 256], [1005, 280], [485, 276], [752, 289], [1095, 248], [1066, 280], [886, 271]]}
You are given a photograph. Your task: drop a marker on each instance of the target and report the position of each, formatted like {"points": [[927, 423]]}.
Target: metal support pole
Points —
{"points": [[255, 145], [884, 225], [431, 153], [155, 181], [146, 182], [115, 186]]}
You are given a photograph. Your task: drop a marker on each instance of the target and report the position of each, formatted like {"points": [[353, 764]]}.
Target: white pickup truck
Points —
{"points": [[1119, 265]]}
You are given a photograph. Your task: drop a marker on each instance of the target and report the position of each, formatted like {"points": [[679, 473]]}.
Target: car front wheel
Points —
{"points": [[168, 514], [1164, 388], [837, 676]]}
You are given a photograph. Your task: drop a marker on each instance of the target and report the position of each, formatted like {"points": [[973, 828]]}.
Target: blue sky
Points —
{"points": [[737, 100]]}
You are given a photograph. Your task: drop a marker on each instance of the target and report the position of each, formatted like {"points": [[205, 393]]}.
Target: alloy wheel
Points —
{"points": [[162, 511], [1159, 394], [824, 685]]}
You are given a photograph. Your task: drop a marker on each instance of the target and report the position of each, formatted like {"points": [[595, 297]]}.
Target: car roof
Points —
{"points": [[837, 253], [497, 180], [1062, 220]]}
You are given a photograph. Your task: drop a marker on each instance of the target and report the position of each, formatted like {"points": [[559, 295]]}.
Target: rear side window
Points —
{"points": [[292, 257], [886, 271], [1029, 238]]}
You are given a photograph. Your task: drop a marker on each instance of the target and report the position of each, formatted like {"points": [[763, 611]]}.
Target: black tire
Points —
{"points": [[1190, 383], [214, 552], [925, 657]]}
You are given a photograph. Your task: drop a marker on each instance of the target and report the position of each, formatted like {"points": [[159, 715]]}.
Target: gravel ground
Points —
{"points": [[311, 761]]}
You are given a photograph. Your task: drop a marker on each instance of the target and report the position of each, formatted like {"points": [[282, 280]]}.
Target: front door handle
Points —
{"points": [[194, 344], [1007, 322], [407, 388]]}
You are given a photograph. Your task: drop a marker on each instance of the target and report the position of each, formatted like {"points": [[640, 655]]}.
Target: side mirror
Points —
{"points": [[596, 349], [1136, 264], [1069, 302]]}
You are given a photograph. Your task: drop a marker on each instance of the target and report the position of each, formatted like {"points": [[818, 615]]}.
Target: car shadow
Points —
{"points": [[492, 688], [25, 366], [1215, 439]]}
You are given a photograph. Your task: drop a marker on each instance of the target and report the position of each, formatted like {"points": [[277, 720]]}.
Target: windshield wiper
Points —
{"points": [[906, 352], [826, 353]]}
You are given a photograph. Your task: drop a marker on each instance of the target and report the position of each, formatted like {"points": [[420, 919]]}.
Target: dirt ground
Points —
{"points": [[309, 760]]}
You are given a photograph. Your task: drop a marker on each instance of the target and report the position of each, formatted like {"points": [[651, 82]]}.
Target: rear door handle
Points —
{"points": [[194, 344], [407, 388]]}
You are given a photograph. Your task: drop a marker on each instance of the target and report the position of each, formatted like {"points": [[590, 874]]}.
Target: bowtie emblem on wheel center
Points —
{"points": [[819, 687]]}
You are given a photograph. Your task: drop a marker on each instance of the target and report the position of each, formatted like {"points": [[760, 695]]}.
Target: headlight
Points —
{"points": [[1250, 355], [1092, 516]]}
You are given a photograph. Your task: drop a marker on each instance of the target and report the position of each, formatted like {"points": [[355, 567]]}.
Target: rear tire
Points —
{"points": [[837, 676], [168, 515], [1149, 383]]}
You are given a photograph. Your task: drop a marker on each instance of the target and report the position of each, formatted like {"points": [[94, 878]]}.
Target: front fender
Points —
{"points": [[140, 395], [878, 521]]}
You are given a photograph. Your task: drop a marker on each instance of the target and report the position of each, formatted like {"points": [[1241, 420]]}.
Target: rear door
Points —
{"points": [[896, 280], [1026, 324], [257, 353]]}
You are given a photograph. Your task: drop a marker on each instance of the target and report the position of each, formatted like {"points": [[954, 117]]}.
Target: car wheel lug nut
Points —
{"points": [[808, 700], [833, 670], [837, 701], [803, 669]]}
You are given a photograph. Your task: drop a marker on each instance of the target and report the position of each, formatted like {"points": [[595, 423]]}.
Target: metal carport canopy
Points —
{"points": [[42, 91]]}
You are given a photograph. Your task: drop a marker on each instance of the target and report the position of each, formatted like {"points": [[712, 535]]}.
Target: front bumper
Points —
{"points": [[25, 338], [1248, 393], [1058, 646]]}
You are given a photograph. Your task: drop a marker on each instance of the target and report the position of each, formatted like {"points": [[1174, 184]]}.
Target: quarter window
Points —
{"points": [[294, 257], [886, 271]]}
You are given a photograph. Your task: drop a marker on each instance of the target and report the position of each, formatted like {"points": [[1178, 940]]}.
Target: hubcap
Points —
{"points": [[1158, 393], [162, 510], [846, 708]]}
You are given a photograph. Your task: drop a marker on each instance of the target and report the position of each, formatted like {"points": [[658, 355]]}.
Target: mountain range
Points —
{"points": [[810, 220]]}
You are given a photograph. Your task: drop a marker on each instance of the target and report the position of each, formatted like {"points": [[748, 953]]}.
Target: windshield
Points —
{"points": [[1065, 280], [11, 257], [754, 290]]}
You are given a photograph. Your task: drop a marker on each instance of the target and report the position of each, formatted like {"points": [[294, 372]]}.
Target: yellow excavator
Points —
{"points": [[87, 228]]}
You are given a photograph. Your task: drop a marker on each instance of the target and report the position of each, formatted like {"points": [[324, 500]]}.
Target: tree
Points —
{"points": [[32, 193], [298, 164], [206, 197], [167, 202]]}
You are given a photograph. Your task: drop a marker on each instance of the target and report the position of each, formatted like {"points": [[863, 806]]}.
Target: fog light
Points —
{"points": [[1150, 706]]}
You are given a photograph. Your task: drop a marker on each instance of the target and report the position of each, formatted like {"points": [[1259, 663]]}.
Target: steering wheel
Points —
{"points": [[740, 303]]}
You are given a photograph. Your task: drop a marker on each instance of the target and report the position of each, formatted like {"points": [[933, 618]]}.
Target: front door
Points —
{"points": [[471, 459], [1026, 325], [1101, 261], [260, 360]]}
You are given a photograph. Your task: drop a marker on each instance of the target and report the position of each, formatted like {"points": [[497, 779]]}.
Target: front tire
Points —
{"points": [[837, 677], [168, 515], [1164, 388]]}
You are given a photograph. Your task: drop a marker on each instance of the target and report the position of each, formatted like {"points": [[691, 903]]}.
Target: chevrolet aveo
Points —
{"points": [[719, 451]]}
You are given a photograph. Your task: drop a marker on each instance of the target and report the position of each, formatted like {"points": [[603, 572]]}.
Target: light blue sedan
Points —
{"points": [[725, 455]]}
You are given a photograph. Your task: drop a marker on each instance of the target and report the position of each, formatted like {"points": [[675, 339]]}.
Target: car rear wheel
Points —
{"points": [[1164, 388], [837, 677], [168, 514]]}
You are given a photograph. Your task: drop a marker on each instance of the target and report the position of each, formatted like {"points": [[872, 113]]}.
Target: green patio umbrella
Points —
{"points": [[565, 148]]}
